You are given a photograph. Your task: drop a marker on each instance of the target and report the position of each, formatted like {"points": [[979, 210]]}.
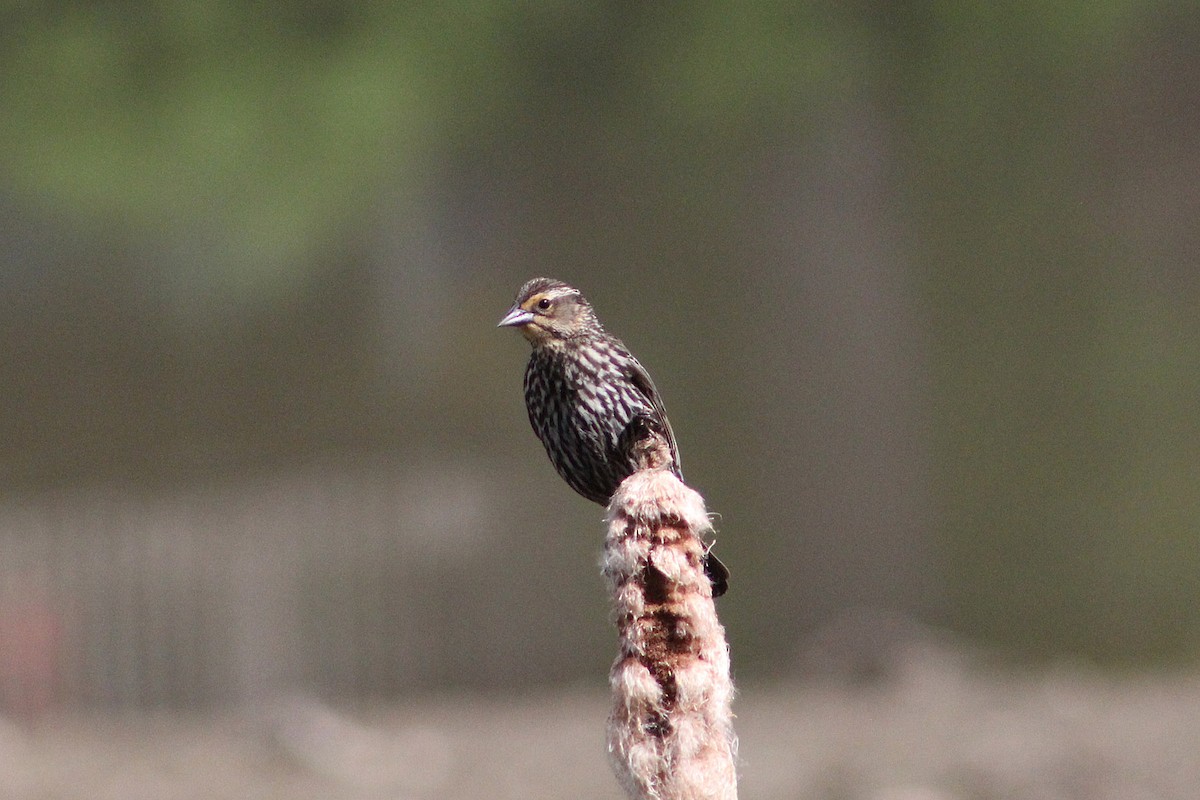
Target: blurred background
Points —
{"points": [[918, 282]]}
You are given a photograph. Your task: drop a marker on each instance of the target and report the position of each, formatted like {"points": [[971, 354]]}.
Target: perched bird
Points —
{"points": [[592, 404]]}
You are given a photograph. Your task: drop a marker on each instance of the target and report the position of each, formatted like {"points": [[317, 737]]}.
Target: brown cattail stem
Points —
{"points": [[670, 734]]}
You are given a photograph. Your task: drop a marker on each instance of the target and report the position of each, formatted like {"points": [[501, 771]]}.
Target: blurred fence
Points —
{"points": [[312, 581]]}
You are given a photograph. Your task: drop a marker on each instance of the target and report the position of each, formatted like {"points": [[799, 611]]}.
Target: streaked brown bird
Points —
{"points": [[590, 402]]}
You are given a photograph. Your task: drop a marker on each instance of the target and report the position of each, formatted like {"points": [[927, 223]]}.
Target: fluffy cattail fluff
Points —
{"points": [[670, 734]]}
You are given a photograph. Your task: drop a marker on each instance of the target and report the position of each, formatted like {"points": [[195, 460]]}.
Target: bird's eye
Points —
{"points": [[544, 303]]}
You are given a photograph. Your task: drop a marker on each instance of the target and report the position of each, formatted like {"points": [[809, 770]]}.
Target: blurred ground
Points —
{"points": [[932, 727]]}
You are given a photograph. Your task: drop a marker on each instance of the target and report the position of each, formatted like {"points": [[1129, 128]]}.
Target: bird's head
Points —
{"points": [[547, 311]]}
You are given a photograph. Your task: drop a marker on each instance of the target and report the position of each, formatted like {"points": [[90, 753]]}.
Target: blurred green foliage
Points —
{"points": [[265, 126]]}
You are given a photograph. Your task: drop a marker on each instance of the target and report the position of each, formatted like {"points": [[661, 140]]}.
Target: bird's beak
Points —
{"points": [[516, 317]]}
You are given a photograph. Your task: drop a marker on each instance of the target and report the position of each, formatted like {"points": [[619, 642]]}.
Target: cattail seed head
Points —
{"points": [[670, 733]]}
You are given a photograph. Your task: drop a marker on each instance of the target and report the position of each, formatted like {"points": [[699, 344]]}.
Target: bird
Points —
{"points": [[590, 401]]}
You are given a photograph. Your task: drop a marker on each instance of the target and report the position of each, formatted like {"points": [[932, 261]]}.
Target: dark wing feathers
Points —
{"points": [[640, 378]]}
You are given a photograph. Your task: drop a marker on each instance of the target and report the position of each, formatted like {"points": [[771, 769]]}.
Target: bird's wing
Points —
{"points": [[641, 380]]}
